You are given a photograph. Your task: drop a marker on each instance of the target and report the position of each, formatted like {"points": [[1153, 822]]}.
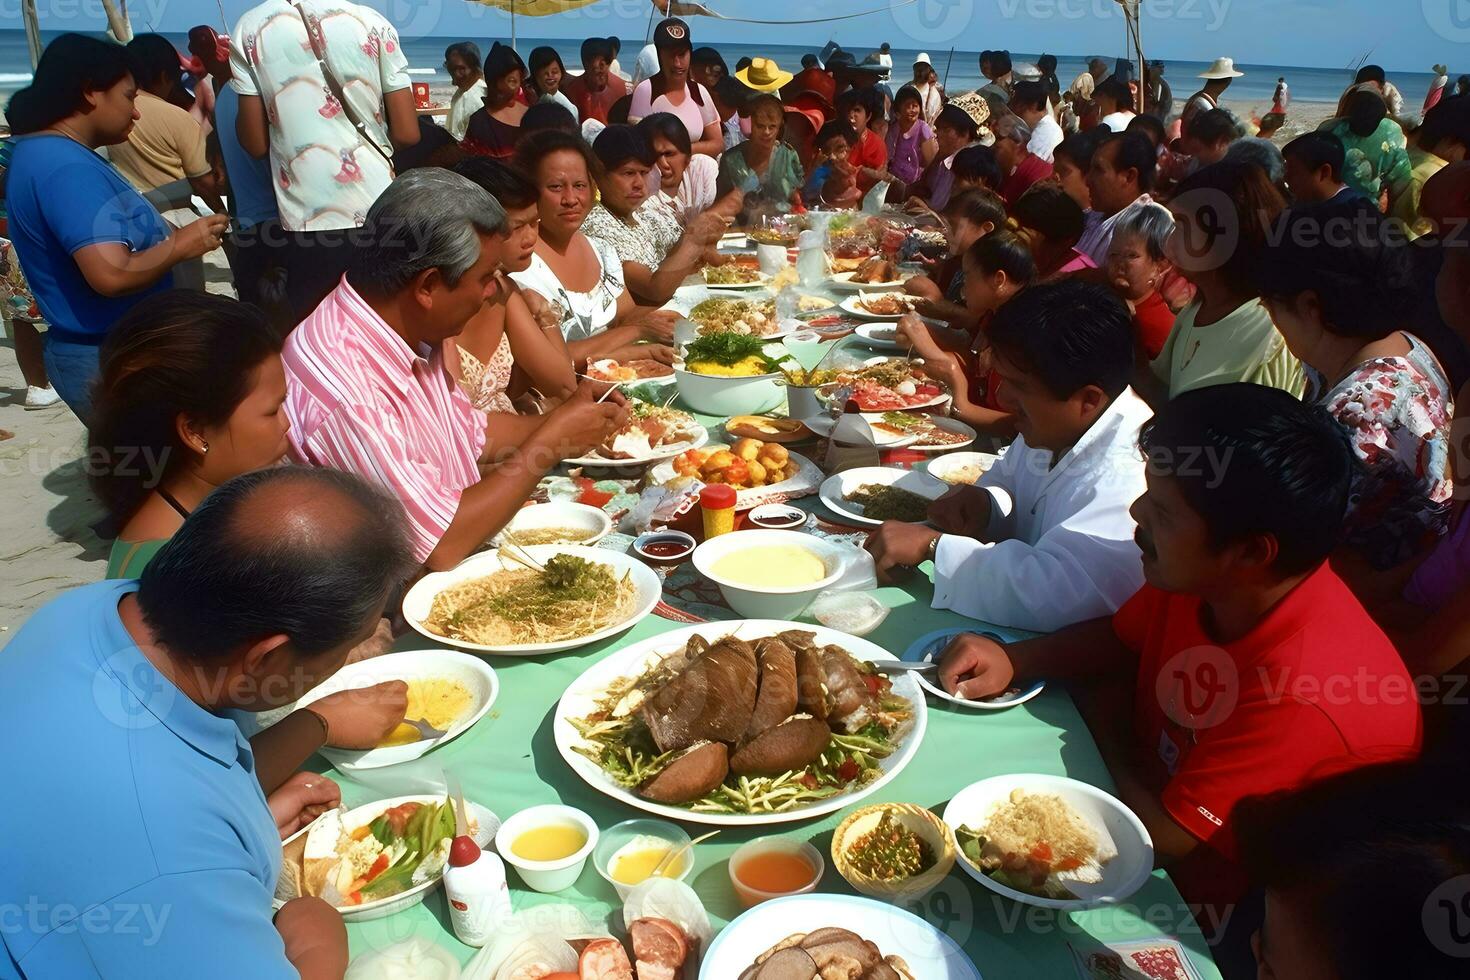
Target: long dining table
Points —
{"points": [[509, 761]]}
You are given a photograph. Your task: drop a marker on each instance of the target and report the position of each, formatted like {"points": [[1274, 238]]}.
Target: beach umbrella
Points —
{"points": [[533, 8]]}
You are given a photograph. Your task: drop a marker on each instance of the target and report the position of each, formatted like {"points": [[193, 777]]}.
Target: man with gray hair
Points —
{"points": [[1019, 167], [368, 389]]}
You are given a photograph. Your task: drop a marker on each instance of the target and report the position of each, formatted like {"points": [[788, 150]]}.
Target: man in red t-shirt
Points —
{"points": [[1244, 666], [595, 90]]}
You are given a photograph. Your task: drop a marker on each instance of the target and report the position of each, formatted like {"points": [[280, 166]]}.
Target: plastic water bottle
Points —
{"points": [[479, 897]]}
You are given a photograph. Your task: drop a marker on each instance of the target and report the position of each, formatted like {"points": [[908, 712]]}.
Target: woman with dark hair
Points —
{"points": [[912, 145], [508, 352], [969, 216], [672, 89], [1340, 307], [1225, 334], [189, 396], [462, 62], [996, 267], [90, 245], [581, 278], [164, 154], [1377, 159], [686, 181], [765, 169], [496, 126], [954, 130], [1071, 161], [656, 252], [975, 168], [1053, 224], [543, 82]]}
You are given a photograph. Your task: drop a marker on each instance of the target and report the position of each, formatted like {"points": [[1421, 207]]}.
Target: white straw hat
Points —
{"points": [[923, 59], [1222, 68]]}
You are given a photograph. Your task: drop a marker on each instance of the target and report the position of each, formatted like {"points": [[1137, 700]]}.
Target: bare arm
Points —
{"points": [[315, 938], [505, 432], [206, 188], [403, 117], [928, 150], [711, 142], [540, 359], [654, 287], [112, 269], [252, 128]]}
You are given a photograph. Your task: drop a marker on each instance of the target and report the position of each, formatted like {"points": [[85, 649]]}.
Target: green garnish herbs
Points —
{"points": [[727, 349]]}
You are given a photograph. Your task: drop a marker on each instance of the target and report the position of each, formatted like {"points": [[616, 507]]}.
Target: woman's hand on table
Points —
{"points": [[361, 717], [656, 325], [974, 667], [301, 799], [897, 547], [962, 510]]}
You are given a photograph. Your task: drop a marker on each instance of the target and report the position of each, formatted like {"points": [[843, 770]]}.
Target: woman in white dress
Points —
{"points": [[462, 61], [580, 279]]}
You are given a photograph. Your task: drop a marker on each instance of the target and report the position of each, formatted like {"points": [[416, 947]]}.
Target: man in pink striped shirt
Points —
{"points": [[367, 389]]}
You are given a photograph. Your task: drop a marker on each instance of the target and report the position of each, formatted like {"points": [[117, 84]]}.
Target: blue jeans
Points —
{"points": [[72, 368]]}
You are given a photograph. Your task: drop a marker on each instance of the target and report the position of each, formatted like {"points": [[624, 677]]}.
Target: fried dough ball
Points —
{"points": [[747, 449], [758, 477]]}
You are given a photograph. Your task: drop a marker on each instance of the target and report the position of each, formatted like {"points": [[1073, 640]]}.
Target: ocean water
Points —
{"points": [[426, 56]]}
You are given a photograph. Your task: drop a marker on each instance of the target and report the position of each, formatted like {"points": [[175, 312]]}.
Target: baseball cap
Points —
{"points": [[672, 33]]}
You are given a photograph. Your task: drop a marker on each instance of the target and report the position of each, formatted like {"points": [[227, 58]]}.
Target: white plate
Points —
{"points": [[701, 436], [880, 336], [943, 466], [563, 514], [1121, 877], [408, 665], [949, 425], [484, 835], [836, 488], [761, 283], [851, 306], [580, 701], [930, 646], [823, 425], [927, 951], [842, 281], [808, 477], [420, 598]]}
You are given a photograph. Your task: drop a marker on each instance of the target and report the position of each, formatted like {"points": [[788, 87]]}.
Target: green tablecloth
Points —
{"points": [[509, 762]]}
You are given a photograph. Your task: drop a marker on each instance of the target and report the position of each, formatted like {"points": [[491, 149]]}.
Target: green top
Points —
{"points": [[1406, 205], [782, 178], [128, 558], [509, 762], [1375, 161], [1244, 345]]}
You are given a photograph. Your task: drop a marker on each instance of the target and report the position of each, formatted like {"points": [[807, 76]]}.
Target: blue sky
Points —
{"points": [[1403, 34]]}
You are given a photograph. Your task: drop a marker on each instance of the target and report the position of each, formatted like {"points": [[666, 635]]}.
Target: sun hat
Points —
{"points": [[672, 33], [1222, 68], [974, 105], [844, 59], [763, 75], [923, 59], [814, 81], [873, 61]]}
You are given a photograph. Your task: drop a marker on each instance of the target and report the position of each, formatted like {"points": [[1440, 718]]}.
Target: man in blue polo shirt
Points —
{"points": [[146, 847]]}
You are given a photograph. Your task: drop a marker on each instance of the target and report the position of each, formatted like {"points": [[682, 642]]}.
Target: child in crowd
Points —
{"points": [[996, 268], [1243, 640], [833, 180], [912, 145], [1044, 539], [969, 217], [860, 106]]}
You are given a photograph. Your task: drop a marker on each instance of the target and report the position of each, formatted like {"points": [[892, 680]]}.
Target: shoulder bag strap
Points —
{"points": [[336, 87]]}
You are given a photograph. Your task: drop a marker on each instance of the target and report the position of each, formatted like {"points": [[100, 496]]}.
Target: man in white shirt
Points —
{"points": [[1029, 101], [1115, 101], [327, 172], [1045, 538], [1122, 173]]}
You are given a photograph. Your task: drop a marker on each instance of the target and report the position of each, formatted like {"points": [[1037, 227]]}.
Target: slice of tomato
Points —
{"points": [[874, 685], [594, 498], [1041, 851], [379, 866], [849, 770]]}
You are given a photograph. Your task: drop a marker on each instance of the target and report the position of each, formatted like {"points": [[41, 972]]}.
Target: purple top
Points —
{"points": [[1445, 571], [904, 160]]}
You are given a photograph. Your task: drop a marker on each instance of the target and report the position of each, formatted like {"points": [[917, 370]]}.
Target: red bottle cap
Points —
{"points": [[717, 496], [463, 851]]}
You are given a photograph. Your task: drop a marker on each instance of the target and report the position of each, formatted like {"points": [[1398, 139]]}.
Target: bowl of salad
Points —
{"points": [[727, 374]]}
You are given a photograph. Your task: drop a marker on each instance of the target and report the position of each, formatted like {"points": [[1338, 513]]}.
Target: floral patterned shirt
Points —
{"points": [[645, 238], [1375, 161], [1397, 411], [326, 176]]}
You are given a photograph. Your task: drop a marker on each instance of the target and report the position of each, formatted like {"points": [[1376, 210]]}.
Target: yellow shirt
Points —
{"points": [[166, 145], [1406, 205], [1244, 345]]}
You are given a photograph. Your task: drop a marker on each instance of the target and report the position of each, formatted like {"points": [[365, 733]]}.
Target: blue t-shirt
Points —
{"points": [[63, 197], [139, 843], [252, 198]]}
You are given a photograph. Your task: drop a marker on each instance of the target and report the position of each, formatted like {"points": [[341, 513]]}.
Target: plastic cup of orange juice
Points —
{"points": [[774, 867]]}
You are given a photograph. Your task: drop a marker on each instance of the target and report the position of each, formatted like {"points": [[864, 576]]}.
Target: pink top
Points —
{"points": [[1078, 262], [694, 116], [361, 400]]}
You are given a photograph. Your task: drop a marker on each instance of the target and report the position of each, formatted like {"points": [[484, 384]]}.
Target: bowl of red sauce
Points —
{"points": [[664, 547]]}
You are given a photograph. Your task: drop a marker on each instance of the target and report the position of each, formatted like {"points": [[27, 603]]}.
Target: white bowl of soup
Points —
{"points": [[548, 845], [769, 574]]}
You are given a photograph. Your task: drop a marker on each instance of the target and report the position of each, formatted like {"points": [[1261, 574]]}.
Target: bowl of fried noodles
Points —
{"points": [[558, 598]]}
